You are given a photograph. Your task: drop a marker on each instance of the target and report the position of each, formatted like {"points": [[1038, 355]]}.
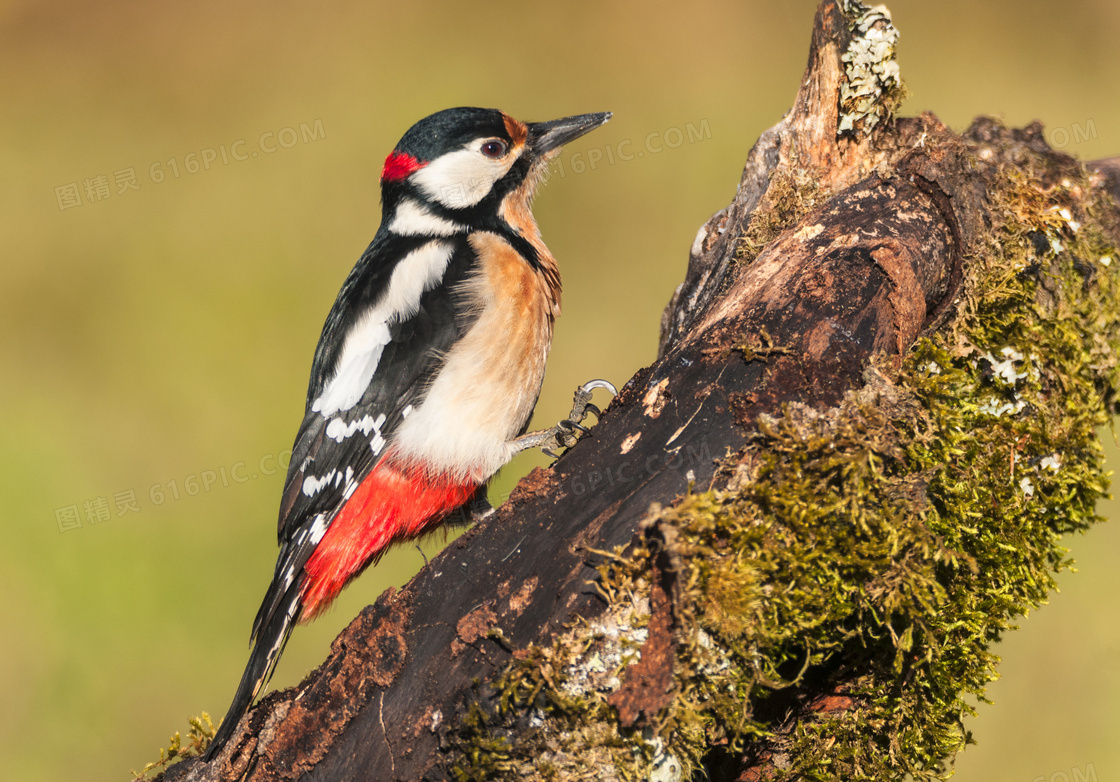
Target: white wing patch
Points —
{"points": [[351, 484], [313, 485], [338, 430], [412, 219], [316, 531], [418, 272], [319, 528], [360, 356], [377, 443]]}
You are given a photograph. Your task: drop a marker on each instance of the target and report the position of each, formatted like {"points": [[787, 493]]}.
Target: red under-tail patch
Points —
{"points": [[392, 504], [400, 165]]}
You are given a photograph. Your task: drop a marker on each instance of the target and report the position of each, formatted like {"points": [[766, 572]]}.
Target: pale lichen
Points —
{"points": [[869, 93]]}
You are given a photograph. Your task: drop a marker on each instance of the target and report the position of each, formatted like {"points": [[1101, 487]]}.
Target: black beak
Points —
{"points": [[547, 136]]}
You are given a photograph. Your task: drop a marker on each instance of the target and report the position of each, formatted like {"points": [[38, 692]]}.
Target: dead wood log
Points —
{"points": [[848, 240]]}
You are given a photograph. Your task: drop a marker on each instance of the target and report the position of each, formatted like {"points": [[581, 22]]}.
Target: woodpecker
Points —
{"points": [[428, 367]]}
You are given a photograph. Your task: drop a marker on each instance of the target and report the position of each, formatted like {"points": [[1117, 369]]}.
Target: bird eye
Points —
{"points": [[494, 149]]}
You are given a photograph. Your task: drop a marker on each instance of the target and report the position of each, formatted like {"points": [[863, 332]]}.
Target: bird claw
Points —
{"points": [[569, 424], [566, 433], [581, 405]]}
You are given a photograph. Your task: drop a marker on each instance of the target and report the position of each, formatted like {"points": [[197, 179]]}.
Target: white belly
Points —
{"points": [[485, 393]]}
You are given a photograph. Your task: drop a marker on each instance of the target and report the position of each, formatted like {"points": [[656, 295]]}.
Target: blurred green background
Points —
{"points": [[157, 329]]}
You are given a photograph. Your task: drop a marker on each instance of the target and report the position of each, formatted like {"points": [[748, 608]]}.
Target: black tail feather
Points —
{"points": [[270, 640]]}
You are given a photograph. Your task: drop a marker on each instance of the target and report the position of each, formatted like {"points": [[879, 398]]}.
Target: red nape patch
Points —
{"points": [[392, 504], [400, 165]]}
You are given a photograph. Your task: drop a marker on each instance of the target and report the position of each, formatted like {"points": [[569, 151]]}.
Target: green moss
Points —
{"points": [[887, 543], [199, 736], [555, 701], [791, 194]]}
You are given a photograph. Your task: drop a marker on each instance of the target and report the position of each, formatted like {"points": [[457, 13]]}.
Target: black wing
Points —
{"points": [[414, 355]]}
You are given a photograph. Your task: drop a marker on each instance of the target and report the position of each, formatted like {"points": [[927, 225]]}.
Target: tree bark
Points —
{"points": [[847, 240]]}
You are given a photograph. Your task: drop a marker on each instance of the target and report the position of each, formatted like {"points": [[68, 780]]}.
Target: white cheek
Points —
{"points": [[460, 179]]}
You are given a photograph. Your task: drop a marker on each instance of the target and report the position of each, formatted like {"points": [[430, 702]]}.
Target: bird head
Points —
{"points": [[460, 165]]}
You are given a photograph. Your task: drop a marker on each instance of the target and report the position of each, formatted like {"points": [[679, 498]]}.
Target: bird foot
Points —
{"points": [[475, 510], [567, 432], [479, 508]]}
